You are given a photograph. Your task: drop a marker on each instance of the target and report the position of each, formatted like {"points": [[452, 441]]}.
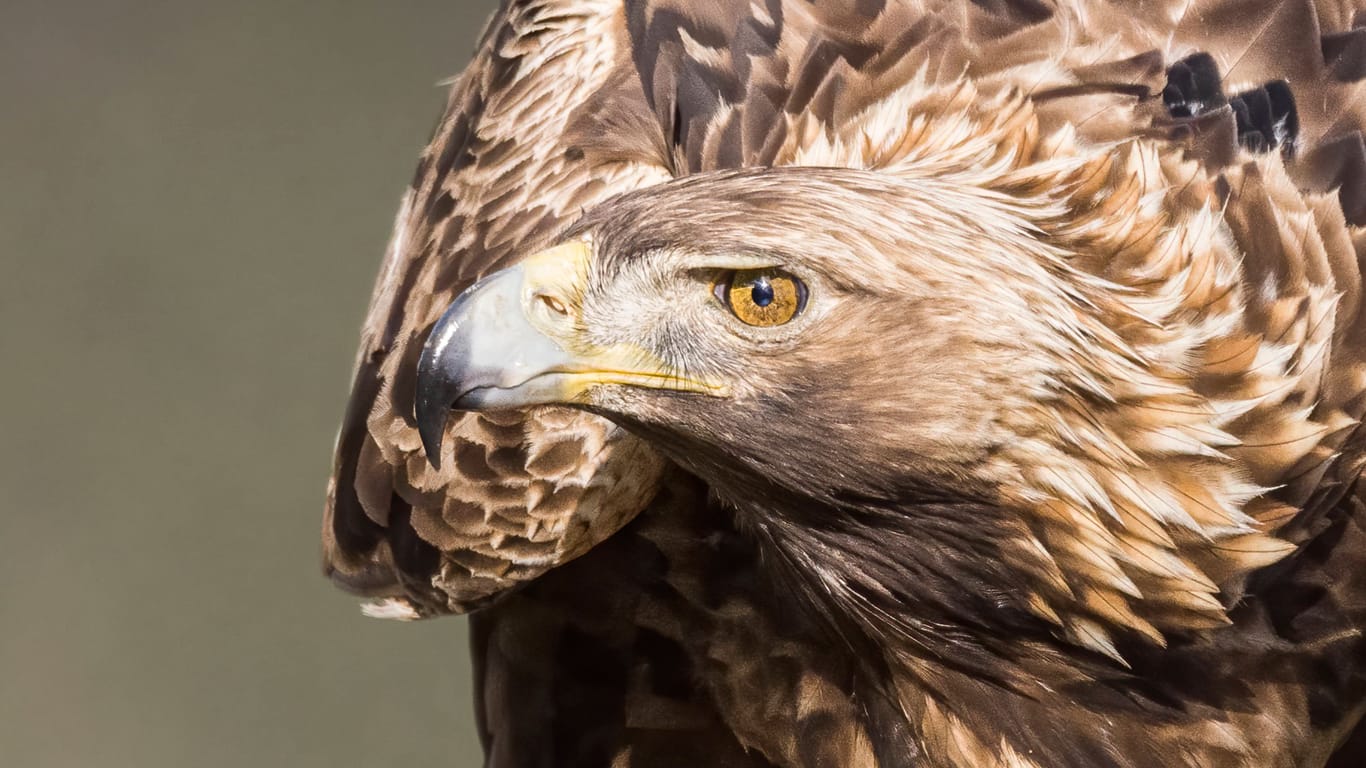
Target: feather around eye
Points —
{"points": [[763, 298]]}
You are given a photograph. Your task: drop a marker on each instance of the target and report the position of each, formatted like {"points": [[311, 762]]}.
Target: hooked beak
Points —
{"points": [[514, 339]]}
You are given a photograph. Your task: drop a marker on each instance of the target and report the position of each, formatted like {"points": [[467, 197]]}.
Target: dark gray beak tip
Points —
{"points": [[431, 426], [432, 407]]}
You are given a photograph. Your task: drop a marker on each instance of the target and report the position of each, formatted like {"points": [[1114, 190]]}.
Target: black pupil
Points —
{"points": [[761, 292]]}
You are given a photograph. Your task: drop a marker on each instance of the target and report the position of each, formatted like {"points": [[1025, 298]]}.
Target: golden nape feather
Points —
{"points": [[1052, 457]]}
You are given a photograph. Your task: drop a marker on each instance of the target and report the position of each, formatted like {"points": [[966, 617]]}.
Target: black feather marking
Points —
{"points": [[1267, 117], [1286, 123], [1193, 87], [1252, 110]]}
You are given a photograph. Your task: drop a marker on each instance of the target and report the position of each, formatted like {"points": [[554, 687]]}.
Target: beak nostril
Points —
{"points": [[555, 305]]}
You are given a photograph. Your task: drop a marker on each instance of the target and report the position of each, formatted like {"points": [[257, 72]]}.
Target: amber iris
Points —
{"points": [[761, 297]]}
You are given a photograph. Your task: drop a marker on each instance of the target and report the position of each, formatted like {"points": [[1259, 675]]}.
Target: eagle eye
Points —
{"points": [[761, 297]]}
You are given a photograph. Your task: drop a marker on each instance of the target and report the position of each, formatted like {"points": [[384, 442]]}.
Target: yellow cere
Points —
{"points": [[762, 297]]}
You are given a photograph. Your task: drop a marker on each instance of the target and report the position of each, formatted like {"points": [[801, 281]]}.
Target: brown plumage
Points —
{"points": [[1055, 463]]}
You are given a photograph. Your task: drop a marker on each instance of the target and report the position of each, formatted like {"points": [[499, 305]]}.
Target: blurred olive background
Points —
{"points": [[194, 198]]}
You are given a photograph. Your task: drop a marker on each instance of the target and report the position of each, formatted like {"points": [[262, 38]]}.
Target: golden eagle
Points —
{"points": [[874, 383]]}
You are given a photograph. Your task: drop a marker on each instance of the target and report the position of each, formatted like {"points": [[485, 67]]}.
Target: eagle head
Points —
{"points": [[828, 334], [948, 424]]}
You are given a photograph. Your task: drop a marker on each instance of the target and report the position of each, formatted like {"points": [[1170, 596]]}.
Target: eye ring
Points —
{"points": [[763, 298]]}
